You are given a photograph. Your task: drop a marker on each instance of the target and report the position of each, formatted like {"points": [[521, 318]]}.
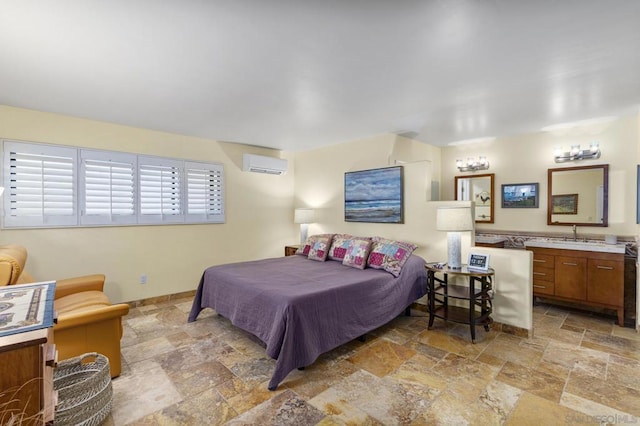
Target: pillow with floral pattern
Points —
{"points": [[304, 249], [357, 253], [339, 246], [389, 255], [320, 248]]}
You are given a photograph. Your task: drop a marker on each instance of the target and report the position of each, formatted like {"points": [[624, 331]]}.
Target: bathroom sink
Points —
{"points": [[577, 245]]}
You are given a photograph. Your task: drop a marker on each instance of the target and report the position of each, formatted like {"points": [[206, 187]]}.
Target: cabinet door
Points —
{"points": [[606, 282], [571, 277]]}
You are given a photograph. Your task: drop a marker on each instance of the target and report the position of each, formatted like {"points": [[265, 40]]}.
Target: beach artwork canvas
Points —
{"points": [[374, 195]]}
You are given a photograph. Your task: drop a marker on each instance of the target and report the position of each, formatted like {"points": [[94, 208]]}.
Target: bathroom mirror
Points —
{"points": [[578, 196], [478, 188]]}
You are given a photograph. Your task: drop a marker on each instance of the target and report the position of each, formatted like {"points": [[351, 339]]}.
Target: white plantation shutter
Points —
{"points": [[160, 181], [40, 184], [205, 192], [51, 186], [108, 180]]}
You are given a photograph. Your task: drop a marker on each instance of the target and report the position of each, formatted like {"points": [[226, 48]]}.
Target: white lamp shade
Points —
{"points": [[303, 216], [454, 219]]}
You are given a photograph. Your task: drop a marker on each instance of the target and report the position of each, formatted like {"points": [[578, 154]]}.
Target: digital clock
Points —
{"points": [[478, 261]]}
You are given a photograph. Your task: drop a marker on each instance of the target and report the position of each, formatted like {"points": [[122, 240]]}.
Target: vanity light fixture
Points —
{"points": [[575, 153], [471, 165]]}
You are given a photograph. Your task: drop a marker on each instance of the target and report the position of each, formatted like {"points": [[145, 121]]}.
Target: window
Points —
{"points": [[160, 190], [109, 182], [205, 193], [49, 186], [40, 185]]}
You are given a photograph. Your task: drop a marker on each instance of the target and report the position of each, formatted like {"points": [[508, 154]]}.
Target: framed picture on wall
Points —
{"points": [[374, 195], [564, 204], [520, 195]]}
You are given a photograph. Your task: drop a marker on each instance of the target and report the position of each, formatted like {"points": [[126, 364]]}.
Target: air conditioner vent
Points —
{"points": [[261, 164]]}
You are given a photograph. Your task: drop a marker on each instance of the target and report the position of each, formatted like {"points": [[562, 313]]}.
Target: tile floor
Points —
{"points": [[577, 369]]}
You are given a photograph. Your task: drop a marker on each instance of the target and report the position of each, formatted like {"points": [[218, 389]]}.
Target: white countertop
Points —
{"points": [[577, 245], [490, 240]]}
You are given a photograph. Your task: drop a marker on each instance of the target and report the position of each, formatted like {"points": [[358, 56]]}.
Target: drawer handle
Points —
{"points": [[569, 264], [540, 260], [540, 286], [539, 273], [604, 267]]}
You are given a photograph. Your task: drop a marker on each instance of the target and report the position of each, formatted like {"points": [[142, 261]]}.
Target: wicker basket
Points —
{"points": [[84, 390]]}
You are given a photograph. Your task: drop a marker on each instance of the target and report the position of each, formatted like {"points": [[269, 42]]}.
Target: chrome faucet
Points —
{"points": [[575, 233]]}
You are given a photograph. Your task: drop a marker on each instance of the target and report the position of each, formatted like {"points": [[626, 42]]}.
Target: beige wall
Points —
{"points": [[319, 183], [259, 213], [526, 158]]}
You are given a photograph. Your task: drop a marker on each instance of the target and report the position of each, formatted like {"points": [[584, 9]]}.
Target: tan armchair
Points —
{"points": [[87, 321]]}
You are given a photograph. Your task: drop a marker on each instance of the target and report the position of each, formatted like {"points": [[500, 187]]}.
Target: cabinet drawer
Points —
{"points": [[543, 287], [541, 273], [543, 260]]}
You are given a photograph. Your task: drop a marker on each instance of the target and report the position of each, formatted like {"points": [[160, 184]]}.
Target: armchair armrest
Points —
{"points": [[93, 315], [69, 286]]}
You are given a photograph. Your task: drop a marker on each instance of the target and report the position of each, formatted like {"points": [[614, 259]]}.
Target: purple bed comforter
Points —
{"points": [[301, 308]]}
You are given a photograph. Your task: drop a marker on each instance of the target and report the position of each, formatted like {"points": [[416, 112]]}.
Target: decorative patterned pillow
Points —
{"points": [[357, 253], [304, 249], [389, 255], [320, 248], [339, 246]]}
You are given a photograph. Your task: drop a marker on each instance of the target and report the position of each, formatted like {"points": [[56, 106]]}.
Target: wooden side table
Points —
{"points": [[477, 294], [290, 250]]}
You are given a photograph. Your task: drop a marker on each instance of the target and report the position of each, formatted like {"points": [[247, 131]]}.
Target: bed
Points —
{"points": [[301, 308]]}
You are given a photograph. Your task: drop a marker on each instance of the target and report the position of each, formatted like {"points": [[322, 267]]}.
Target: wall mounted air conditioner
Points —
{"points": [[262, 164]]}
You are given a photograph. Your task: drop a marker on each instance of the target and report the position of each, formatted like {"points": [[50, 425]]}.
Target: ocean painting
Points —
{"points": [[374, 195]]}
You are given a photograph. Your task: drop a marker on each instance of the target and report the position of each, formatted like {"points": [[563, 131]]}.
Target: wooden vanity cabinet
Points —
{"points": [[584, 277], [571, 277], [611, 274]]}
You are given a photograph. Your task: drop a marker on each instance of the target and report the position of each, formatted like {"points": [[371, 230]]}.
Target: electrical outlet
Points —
{"points": [[143, 279]]}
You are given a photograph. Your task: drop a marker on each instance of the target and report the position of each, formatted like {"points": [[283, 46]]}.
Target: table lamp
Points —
{"points": [[304, 217], [454, 220]]}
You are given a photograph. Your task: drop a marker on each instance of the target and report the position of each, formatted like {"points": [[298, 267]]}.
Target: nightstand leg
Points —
{"points": [[472, 308]]}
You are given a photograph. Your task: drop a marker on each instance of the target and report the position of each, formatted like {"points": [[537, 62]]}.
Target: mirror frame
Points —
{"points": [[492, 195], [605, 195]]}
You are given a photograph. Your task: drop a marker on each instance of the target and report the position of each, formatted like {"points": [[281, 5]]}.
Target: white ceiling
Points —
{"points": [[299, 74]]}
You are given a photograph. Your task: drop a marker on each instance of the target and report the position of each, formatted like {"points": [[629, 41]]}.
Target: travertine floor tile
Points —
{"points": [[612, 344], [536, 382], [381, 357], [576, 368], [509, 348], [577, 358], [585, 321], [603, 392], [385, 400], [624, 371], [284, 409], [146, 389], [531, 410], [606, 415]]}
